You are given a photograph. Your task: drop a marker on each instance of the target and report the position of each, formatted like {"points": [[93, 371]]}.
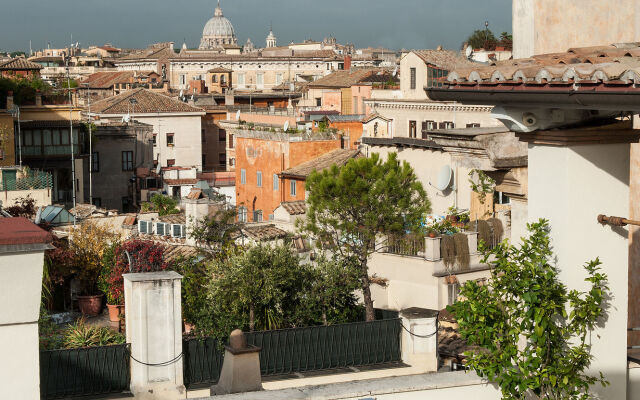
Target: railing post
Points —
{"points": [[153, 314], [419, 340]]}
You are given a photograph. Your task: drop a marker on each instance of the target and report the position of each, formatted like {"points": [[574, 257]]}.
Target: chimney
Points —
{"points": [[347, 63], [38, 98], [9, 100]]}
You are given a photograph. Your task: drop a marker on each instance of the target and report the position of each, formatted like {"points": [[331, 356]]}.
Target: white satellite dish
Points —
{"points": [[38, 216], [468, 51], [444, 178], [286, 126], [395, 72], [238, 116], [159, 167]]}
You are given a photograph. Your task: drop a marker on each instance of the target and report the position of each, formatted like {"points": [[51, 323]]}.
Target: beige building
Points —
{"points": [[550, 26], [177, 126]]}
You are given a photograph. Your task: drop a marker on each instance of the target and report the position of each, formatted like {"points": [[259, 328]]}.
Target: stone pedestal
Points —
{"points": [[432, 248], [420, 344], [241, 368], [154, 329]]}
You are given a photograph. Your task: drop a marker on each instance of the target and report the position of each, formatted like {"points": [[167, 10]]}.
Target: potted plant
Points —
{"points": [[112, 291], [88, 243], [431, 232]]}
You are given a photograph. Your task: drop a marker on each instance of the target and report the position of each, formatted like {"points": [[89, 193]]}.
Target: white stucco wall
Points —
{"points": [[41, 196], [20, 289], [570, 187], [633, 382], [427, 165]]}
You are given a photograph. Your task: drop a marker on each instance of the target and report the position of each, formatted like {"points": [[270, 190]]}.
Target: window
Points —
{"points": [[183, 79], [97, 201], [435, 76], [230, 144], [276, 182], [293, 188], [412, 129], [204, 160], [95, 162], [260, 80], [340, 66], [127, 160], [223, 80], [501, 198], [232, 162], [272, 217], [126, 204], [413, 79], [222, 159], [278, 78], [214, 78], [453, 292], [242, 214], [171, 162], [318, 101], [257, 216], [241, 80], [155, 140], [473, 125], [446, 125], [243, 176], [170, 137], [259, 179], [375, 129], [355, 105]]}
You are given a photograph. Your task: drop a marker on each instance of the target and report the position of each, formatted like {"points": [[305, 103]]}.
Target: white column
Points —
{"points": [[154, 329], [419, 338], [570, 186]]}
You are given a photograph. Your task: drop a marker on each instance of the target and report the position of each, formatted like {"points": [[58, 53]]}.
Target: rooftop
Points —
{"points": [[346, 118], [19, 64], [147, 102], [298, 207], [263, 232], [336, 157], [446, 59], [106, 80], [21, 231], [345, 79]]}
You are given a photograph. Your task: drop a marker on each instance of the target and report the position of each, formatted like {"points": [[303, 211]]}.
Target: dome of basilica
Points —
{"points": [[218, 31]]}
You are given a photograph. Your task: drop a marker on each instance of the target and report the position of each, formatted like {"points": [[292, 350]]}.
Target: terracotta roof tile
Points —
{"points": [[615, 63], [336, 157], [344, 79], [264, 232], [180, 182], [298, 207], [174, 219], [446, 59], [19, 230], [19, 64], [106, 80], [147, 102]]}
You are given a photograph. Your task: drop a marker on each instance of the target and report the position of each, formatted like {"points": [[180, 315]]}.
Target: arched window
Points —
{"points": [[375, 130], [214, 79], [222, 79]]}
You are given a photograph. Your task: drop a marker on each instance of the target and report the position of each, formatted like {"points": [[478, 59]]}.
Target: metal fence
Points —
{"points": [[34, 181], [84, 372], [301, 349], [326, 347], [406, 245], [202, 361]]}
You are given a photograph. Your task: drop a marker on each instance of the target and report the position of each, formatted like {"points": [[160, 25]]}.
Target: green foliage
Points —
{"points": [[108, 265], [532, 333], [49, 333], [163, 205], [24, 90], [483, 185], [349, 206], [216, 230], [79, 334], [196, 307], [482, 39]]}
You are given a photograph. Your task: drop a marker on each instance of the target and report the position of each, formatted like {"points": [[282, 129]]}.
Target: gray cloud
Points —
{"points": [[136, 23]]}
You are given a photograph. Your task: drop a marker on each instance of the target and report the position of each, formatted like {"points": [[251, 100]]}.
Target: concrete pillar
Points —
{"points": [[241, 367], [570, 186], [419, 338], [195, 210], [519, 219], [432, 248], [154, 328]]}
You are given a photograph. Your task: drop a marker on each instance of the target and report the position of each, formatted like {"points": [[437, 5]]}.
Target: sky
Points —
{"points": [[394, 24]]}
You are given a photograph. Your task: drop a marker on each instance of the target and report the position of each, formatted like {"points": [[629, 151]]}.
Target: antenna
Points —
{"points": [[444, 178]]}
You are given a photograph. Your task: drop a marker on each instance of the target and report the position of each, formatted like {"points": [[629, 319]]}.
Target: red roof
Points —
{"points": [[20, 230]]}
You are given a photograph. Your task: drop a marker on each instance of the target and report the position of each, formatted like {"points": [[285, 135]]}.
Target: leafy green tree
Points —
{"points": [[163, 205], [531, 332], [257, 288], [482, 39], [217, 230], [349, 207]]}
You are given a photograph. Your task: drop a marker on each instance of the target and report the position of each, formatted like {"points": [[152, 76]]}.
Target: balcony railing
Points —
{"points": [[34, 181]]}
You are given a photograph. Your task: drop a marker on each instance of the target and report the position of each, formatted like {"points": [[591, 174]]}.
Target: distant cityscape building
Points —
{"points": [[218, 32], [271, 39]]}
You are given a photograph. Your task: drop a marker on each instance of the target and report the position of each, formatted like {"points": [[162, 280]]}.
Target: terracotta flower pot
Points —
{"points": [[90, 305], [432, 234], [114, 312]]}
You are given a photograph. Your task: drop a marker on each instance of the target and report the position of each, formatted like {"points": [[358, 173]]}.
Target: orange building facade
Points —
{"points": [[259, 160]]}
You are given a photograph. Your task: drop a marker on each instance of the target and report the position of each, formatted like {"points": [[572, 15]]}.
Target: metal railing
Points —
{"points": [[84, 372], [34, 181], [406, 245], [312, 348]]}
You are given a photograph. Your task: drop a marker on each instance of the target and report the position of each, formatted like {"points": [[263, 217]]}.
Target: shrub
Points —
{"points": [[80, 334]]}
